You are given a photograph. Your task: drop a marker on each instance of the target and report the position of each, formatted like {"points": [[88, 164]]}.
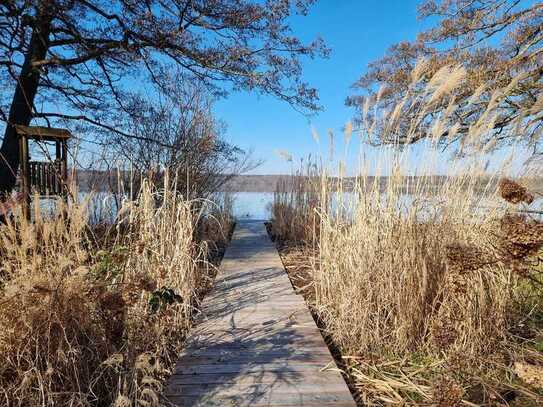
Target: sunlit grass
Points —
{"points": [[95, 315], [430, 287]]}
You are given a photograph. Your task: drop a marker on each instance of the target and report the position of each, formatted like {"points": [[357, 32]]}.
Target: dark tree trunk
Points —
{"points": [[23, 99]]}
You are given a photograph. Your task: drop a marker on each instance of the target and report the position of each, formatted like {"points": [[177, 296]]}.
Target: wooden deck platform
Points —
{"points": [[255, 342]]}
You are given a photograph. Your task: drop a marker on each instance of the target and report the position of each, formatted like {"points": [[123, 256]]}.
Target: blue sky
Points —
{"points": [[358, 32]]}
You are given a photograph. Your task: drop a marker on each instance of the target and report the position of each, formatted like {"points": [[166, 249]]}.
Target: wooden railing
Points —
{"points": [[46, 177]]}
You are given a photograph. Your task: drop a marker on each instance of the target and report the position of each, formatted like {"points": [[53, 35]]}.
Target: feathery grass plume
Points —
{"points": [[330, 145], [452, 132], [284, 155], [315, 134], [489, 146], [444, 81], [348, 132], [538, 105], [365, 109], [419, 71]]}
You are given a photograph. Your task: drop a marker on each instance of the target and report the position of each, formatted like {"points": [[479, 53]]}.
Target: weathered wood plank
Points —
{"points": [[237, 389], [230, 379], [210, 356], [255, 342], [269, 398], [236, 401]]}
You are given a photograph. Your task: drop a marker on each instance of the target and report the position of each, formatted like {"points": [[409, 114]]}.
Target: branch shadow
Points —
{"points": [[236, 356]]}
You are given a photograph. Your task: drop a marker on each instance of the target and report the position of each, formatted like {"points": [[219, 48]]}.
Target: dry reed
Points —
{"points": [[294, 207], [430, 286], [96, 318]]}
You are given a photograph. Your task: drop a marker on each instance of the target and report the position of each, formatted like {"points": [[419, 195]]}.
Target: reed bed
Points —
{"points": [[430, 287], [95, 315], [294, 207]]}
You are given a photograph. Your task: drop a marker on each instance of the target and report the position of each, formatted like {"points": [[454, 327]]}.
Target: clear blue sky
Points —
{"points": [[358, 32]]}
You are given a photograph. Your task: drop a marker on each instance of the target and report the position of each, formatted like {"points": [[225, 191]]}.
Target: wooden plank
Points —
{"points": [[292, 388], [244, 401], [266, 327], [200, 355], [43, 133], [281, 300], [281, 368], [255, 342], [247, 378], [269, 398], [258, 313]]}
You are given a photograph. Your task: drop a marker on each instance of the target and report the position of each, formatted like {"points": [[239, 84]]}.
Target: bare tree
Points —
{"points": [[499, 45], [178, 132], [75, 59]]}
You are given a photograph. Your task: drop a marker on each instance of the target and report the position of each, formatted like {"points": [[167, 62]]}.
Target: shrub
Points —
{"points": [[430, 285]]}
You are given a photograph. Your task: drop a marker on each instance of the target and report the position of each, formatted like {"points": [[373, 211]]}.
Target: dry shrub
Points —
{"points": [[88, 324], [435, 278], [513, 192], [410, 285], [215, 223]]}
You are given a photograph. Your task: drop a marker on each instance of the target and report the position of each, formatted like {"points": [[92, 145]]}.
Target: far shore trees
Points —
{"points": [[498, 46], [78, 60]]}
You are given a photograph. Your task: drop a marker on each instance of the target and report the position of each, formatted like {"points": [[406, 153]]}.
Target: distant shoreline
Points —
{"points": [[100, 180]]}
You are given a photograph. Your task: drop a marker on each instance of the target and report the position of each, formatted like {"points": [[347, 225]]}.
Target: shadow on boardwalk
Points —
{"points": [[256, 364], [255, 342], [225, 300]]}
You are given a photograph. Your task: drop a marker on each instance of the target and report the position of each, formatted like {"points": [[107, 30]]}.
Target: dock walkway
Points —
{"points": [[255, 342]]}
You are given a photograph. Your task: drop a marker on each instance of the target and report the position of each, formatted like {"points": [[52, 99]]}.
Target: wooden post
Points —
{"points": [[58, 149], [64, 169], [25, 186]]}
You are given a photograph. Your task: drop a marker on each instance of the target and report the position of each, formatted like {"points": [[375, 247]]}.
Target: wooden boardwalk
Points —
{"points": [[255, 342]]}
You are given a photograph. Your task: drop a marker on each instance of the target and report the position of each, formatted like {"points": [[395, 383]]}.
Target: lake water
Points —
{"points": [[246, 205], [252, 205]]}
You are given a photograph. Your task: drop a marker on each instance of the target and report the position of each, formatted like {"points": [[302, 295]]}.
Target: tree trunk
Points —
{"points": [[23, 99]]}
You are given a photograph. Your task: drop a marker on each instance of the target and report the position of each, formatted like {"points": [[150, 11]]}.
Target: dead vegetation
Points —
{"points": [[444, 311], [96, 316], [432, 293]]}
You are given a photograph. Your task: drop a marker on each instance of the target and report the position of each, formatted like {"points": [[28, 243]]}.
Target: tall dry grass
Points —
{"points": [[435, 287], [430, 286], [295, 203], [95, 316]]}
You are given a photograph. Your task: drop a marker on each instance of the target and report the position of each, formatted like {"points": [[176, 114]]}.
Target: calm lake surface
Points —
{"points": [[252, 205], [246, 205]]}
